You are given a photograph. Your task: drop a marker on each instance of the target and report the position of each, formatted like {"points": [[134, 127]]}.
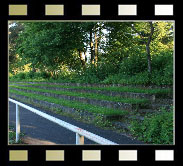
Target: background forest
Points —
{"points": [[138, 53]]}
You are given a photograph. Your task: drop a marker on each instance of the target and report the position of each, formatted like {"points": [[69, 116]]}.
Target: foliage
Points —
{"points": [[100, 121], [72, 104], [157, 91], [133, 65], [89, 75], [156, 129], [12, 136], [57, 52]]}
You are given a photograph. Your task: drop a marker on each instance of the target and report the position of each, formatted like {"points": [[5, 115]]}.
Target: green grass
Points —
{"points": [[113, 88], [12, 136], [72, 104], [87, 95], [156, 128]]}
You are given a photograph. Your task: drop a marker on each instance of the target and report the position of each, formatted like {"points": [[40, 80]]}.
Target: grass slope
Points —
{"points": [[72, 104], [158, 91], [87, 95]]}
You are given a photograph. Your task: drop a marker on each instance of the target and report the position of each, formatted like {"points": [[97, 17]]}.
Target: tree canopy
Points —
{"points": [[75, 46]]}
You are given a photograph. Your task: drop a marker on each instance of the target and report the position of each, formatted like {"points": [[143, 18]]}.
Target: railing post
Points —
{"points": [[17, 123], [79, 139]]}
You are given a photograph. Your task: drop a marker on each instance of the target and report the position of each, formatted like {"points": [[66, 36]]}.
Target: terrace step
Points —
{"points": [[136, 117], [147, 111], [157, 106], [164, 101], [93, 84], [103, 103], [72, 111], [150, 97]]}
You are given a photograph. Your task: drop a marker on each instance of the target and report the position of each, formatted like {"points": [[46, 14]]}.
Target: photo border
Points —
{"points": [[146, 154]]}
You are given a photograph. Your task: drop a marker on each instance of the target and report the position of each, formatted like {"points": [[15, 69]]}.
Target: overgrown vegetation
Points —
{"points": [[158, 91], [12, 136], [86, 95], [156, 128], [72, 104], [128, 53]]}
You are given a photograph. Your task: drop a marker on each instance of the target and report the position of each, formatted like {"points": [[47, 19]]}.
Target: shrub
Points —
{"points": [[160, 79], [138, 79], [30, 75], [133, 65], [112, 79], [106, 69], [161, 61], [45, 75], [89, 75], [20, 76], [156, 128]]}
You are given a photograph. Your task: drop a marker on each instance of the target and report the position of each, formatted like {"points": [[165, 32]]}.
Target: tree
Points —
{"points": [[54, 45], [15, 29], [146, 37]]}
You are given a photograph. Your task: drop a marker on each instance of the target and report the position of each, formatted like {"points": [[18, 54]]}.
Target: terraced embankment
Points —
{"points": [[116, 105]]}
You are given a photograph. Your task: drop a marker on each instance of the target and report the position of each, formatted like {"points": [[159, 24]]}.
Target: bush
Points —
{"points": [[133, 65], [138, 79], [20, 76], [112, 79], [106, 69], [161, 61], [156, 128], [160, 79], [30, 75], [89, 75], [45, 75]]}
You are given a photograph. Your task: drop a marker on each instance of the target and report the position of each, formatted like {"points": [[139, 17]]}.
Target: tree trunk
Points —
{"points": [[91, 47], [81, 58], [96, 49], [147, 45], [85, 57], [148, 48], [148, 58]]}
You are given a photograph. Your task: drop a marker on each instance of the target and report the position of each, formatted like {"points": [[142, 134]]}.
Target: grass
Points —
{"points": [[86, 95], [113, 88], [156, 128], [72, 104], [12, 136]]}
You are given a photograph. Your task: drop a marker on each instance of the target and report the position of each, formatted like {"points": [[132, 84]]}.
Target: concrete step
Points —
{"points": [[136, 117], [150, 97], [68, 110], [103, 103], [157, 106], [146, 111]]}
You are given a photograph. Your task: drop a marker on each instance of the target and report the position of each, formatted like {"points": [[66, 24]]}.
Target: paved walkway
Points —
{"points": [[43, 131]]}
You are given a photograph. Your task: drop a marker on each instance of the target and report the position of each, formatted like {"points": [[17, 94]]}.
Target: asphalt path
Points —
{"points": [[37, 127]]}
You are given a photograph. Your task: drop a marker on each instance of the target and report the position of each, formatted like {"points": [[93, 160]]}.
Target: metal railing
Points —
{"points": [[80, 133]]}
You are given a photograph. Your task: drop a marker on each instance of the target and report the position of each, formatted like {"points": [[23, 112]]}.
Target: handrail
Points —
{"points": [[80, 133]]}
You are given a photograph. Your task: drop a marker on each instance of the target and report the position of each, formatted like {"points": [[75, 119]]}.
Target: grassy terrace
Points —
{"points": [[72, 104], [86, 95], [111, 88]]}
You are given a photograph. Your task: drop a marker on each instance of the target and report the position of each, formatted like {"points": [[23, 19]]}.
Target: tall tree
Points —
{"points": [[146, 36], [50, 47], [15, 29]]}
